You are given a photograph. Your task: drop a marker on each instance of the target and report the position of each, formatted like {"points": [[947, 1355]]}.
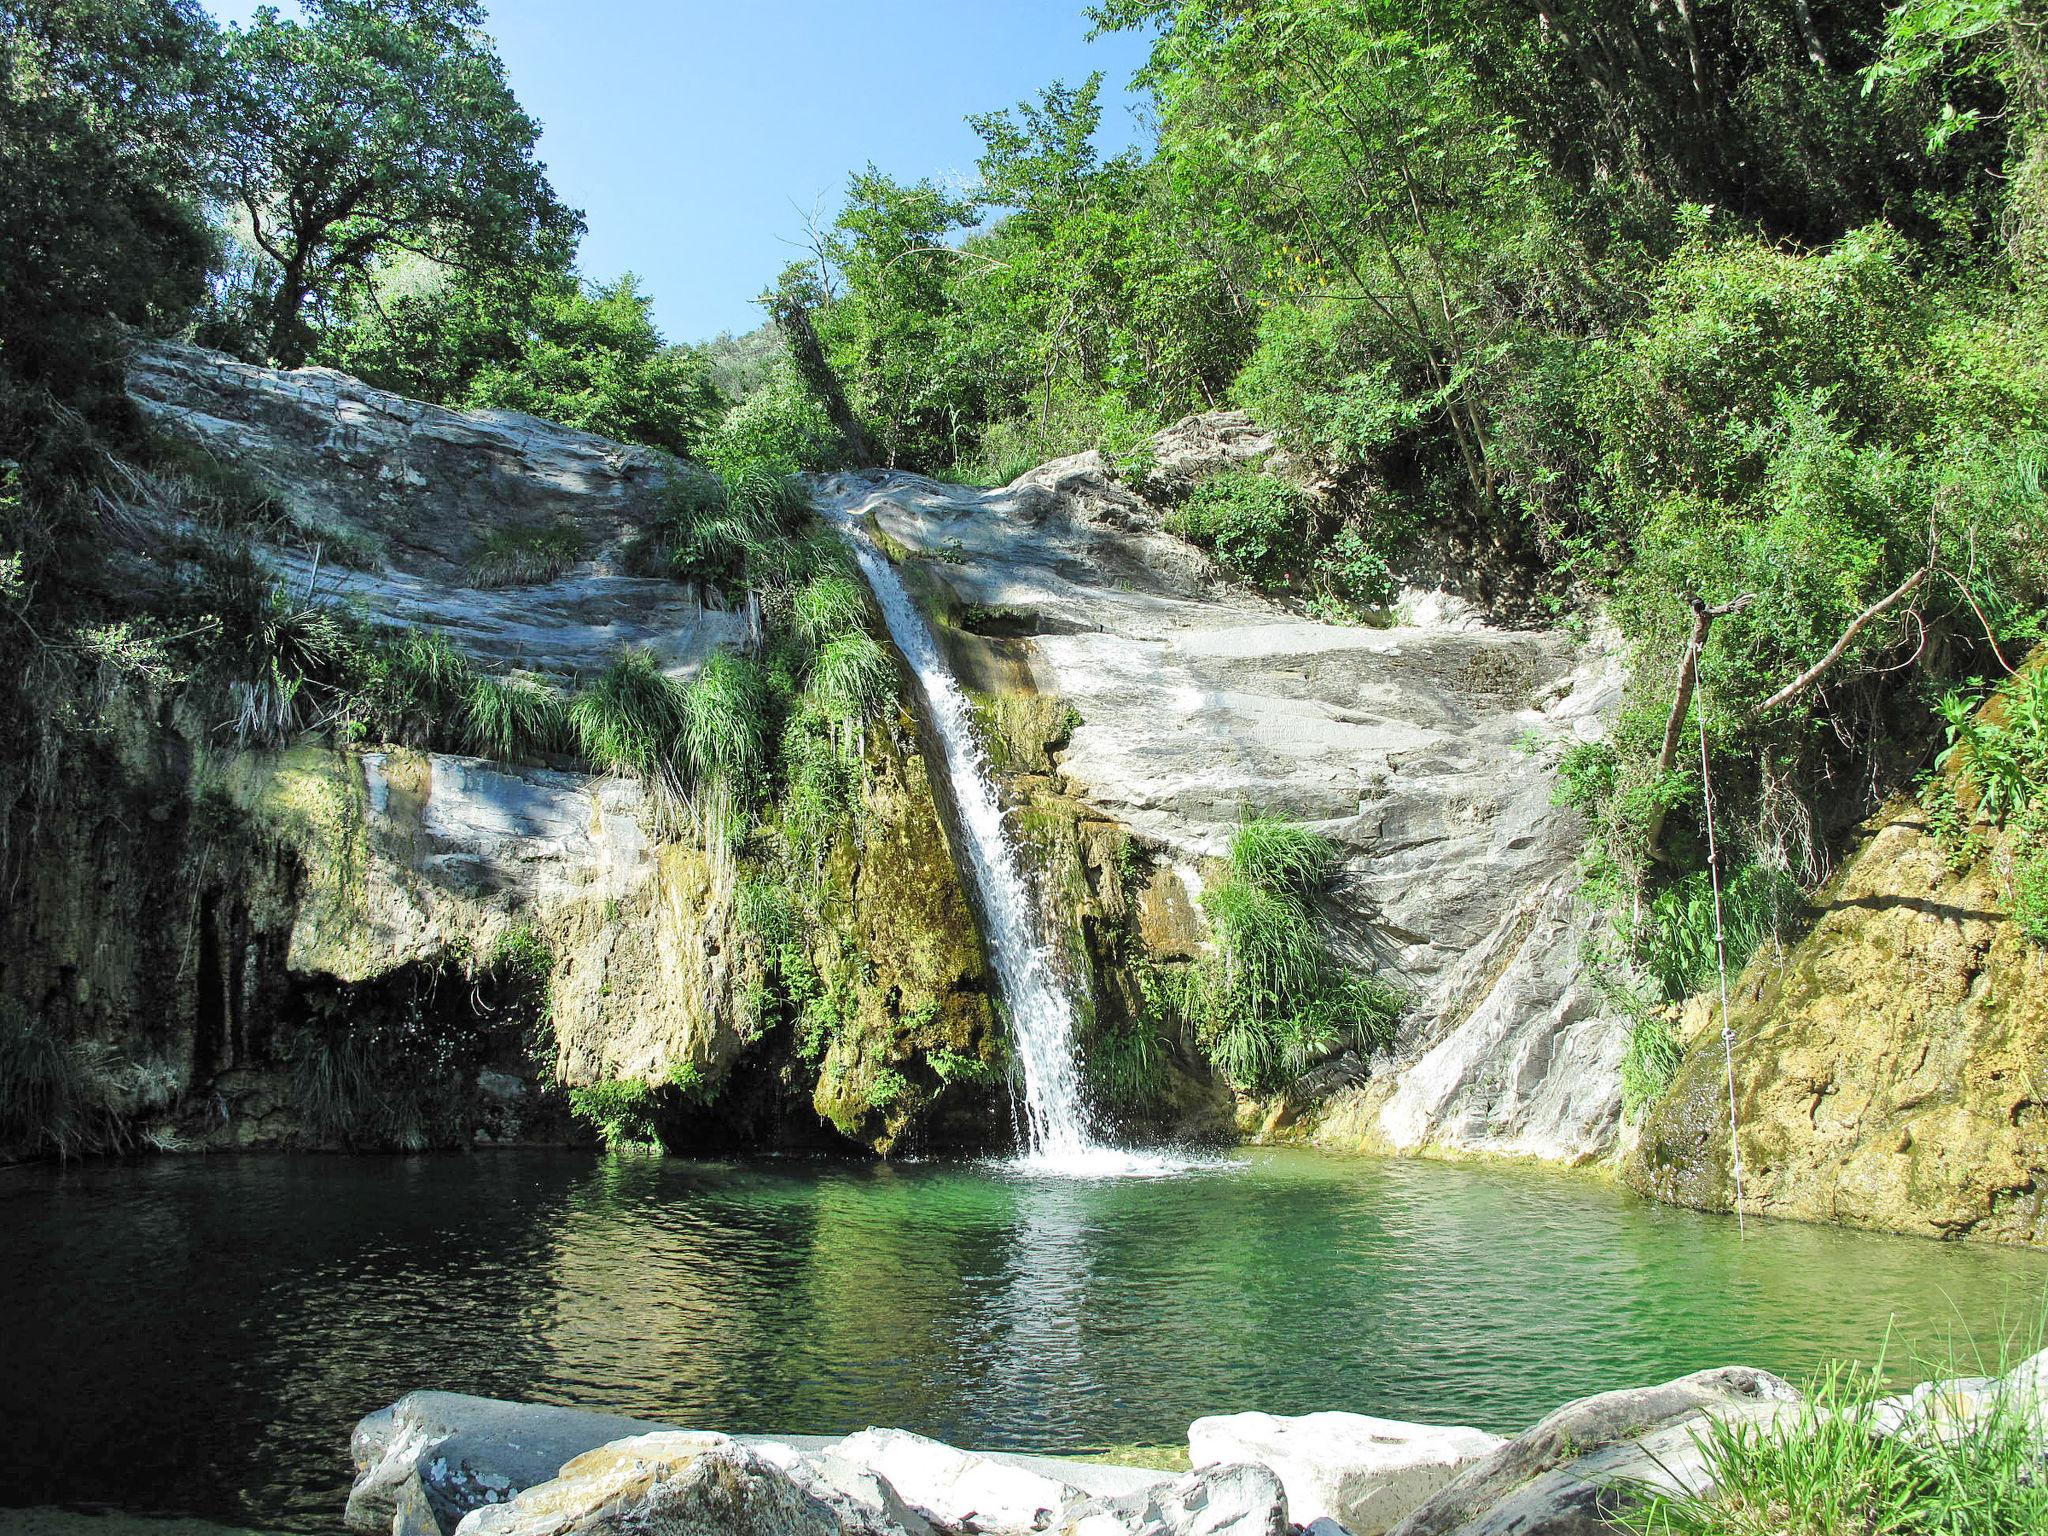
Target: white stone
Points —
{"points": [[955, 1487], [1362, 1472]]}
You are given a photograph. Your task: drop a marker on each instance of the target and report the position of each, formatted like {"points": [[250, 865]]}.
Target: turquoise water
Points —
{"points": [[196, 1335]]}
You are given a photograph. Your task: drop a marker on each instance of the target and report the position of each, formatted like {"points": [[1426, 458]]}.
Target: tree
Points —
{"points": [[102, 118], [373, 128]]}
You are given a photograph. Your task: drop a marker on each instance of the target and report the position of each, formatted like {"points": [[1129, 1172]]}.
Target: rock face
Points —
{"points": [[671, 1482], [211, 918], [1888, 1068], [1571, 1473], [1361, 1472], [1196, 703]]}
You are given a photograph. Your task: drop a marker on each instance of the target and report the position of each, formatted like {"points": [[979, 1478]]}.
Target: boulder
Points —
{"points": [[864, 1501], [956, 1488], [432, 1457], [1361, 1472], [1243, 1499], [1577, 1469], [672, 1483]]}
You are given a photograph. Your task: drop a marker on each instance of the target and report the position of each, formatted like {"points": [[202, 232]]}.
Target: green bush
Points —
{"points": [[1126, 1066], [830, 604], [621, 1110], [1674, 938], [780, 426], [853, 679], [1254, 524]]}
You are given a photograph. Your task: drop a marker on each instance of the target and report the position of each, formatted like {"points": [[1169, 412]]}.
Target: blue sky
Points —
{"points": [[697, 137]]}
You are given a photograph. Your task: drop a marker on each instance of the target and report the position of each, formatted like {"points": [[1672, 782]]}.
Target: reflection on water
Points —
{"points": [[197, 1335]]}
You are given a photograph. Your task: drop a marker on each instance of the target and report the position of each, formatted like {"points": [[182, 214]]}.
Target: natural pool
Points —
{"points": [[197, 1335]]}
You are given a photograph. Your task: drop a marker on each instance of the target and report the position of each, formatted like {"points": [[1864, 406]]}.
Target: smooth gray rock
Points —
{"points": [[1577, 1468], [667, 1484], [1409, 746], [958, 1489], [1244, 1499], [864, 1502], [432, 1457]]}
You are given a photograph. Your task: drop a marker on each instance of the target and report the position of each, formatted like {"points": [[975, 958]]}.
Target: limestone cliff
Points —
{"points": [[369, 945], [1888, 1069], [1193, 702]]}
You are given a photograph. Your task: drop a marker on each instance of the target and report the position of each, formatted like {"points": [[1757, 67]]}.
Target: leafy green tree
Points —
{"points": [[102, 119], [377, 127]]}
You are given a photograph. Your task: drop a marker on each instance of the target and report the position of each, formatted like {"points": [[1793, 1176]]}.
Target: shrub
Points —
{"points": [[621, 1110], [781, 426], [524, 557], [887, 1087], [951, 1066], [57, 1096], [1354, 573], [2030, 893], [1254, 524], [1674, 939]]}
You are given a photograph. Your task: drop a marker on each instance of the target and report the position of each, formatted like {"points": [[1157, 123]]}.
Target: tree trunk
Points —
{"points": [[1681, 702], [793, 318]]}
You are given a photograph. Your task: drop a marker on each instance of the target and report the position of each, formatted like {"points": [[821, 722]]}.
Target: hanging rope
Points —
{"points": [[1721, 961]]}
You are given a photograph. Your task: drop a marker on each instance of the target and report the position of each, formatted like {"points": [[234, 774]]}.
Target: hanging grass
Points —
{"points": [[1274, 1001], [1126, 1064], [725, 720], [830, 604], [516, 717], [1649, 1064], [1275, 854], [852, 680], [628, 719]]}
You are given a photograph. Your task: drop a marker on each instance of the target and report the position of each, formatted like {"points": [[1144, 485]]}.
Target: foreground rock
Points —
{"points": [[1363, 1473], [1578, 1468], [667, 1484], [1236, 1500], [432, 1457]]}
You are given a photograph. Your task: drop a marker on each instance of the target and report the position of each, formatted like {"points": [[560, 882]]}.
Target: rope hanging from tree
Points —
{"points": [[1721, 958]]}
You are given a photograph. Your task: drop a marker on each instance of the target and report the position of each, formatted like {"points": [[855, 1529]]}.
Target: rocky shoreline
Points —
{"points": [[443, 1464]]}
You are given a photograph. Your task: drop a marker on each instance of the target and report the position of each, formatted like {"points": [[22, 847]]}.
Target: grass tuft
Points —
{"points": [[516, 717], [1275, 854], [525, 557], [629, 718]]}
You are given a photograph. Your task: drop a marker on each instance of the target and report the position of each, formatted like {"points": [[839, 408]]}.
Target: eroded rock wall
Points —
{"points": [[1889, 1068]]}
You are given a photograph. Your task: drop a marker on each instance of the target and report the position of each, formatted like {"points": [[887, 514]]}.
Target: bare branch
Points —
{"points": [[1806, 679]]}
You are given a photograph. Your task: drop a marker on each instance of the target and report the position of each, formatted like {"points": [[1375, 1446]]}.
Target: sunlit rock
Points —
{"points": [[1364, 1473]]}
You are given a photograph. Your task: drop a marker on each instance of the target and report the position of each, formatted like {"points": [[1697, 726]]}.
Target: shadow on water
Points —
{"points": [[196, 1336]]}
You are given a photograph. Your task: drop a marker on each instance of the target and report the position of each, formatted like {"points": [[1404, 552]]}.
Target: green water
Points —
{"points": [[196, 1336]]}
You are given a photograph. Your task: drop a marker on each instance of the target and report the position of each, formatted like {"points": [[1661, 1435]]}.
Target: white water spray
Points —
{"points": [[1056, 1130]]}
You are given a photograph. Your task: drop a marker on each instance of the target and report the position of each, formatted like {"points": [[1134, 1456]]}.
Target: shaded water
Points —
{"points": [[196, 1335]]}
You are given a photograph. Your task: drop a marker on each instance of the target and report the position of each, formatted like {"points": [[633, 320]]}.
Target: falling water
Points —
{"points": [[1041, 1014]]}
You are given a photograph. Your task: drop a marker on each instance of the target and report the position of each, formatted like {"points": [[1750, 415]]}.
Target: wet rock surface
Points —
{"points": [[1198, 702]]}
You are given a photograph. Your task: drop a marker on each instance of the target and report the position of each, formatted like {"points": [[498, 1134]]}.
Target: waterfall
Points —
{"points": [[1056, 1131]]}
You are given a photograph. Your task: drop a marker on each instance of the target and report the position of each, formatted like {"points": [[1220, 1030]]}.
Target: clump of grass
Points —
{"points": [[516, 717], [525, 557], [724, 727], [1274, 1000], [852, 680], [1649, 1064], [1831, 1467], [720, 532], [417, 687], [830, 604], [628, 720], [54, 1093], [1275, 854], [1127, 1064]]}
